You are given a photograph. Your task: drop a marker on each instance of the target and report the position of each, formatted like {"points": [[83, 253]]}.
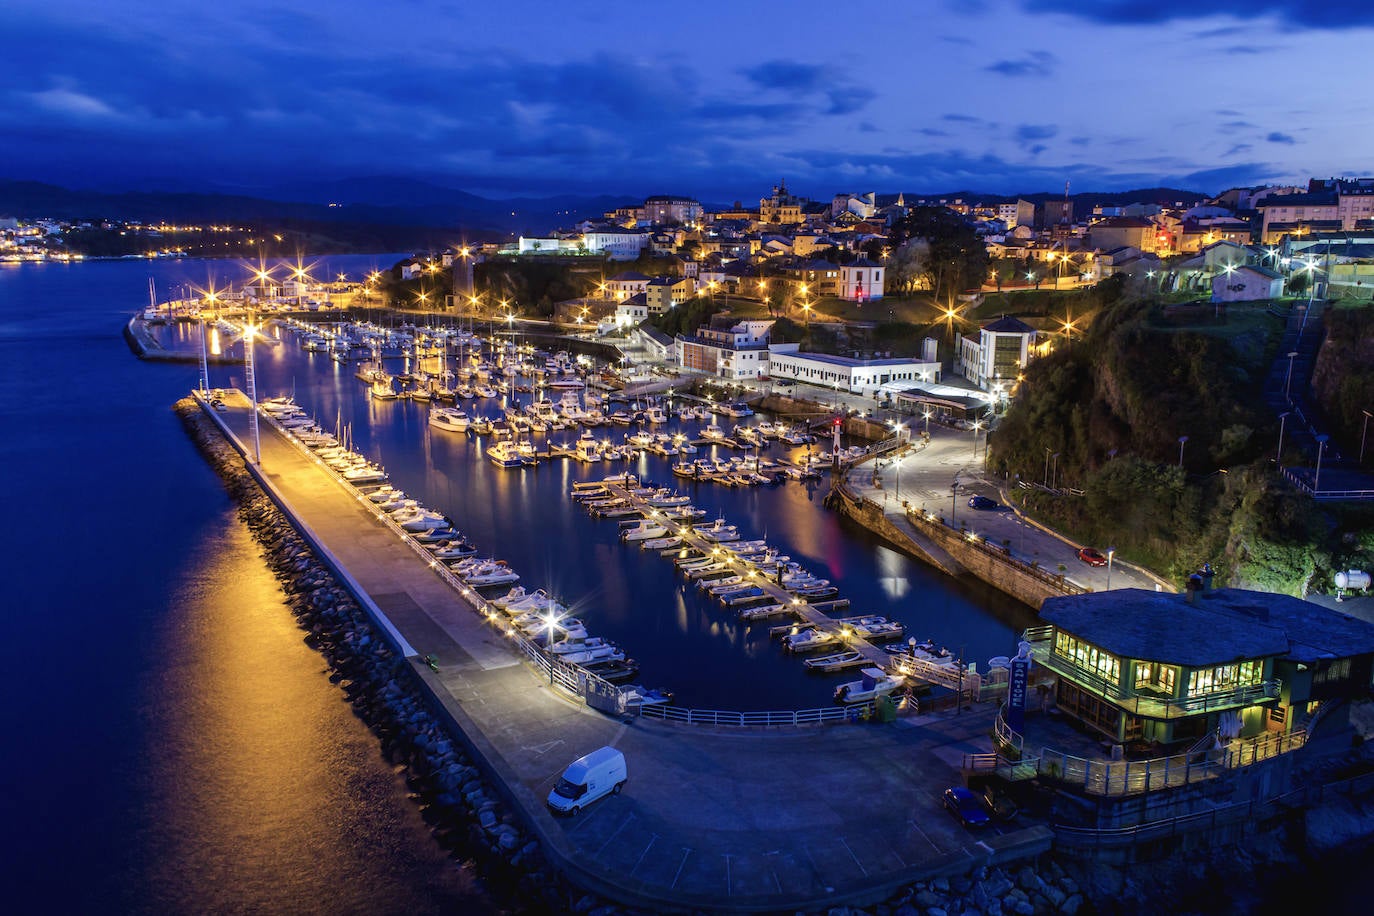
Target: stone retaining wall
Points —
{"points": [[1024, 584]]}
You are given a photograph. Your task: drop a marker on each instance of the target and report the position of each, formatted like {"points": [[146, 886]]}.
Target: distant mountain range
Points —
{"points": [[396, 201], [368, 201]]}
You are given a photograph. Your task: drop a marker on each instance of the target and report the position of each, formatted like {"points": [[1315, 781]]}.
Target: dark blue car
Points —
{"points": [[983, 502], [967, 807]]}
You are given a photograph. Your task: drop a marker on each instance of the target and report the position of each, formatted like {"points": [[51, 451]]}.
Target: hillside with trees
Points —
{"points": [[1104, 417]]}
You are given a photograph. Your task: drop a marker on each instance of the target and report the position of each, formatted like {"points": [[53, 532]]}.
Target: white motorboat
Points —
{"points": [[601, 653], [454, 550], [639, 696], [655, 415], [365, 473], [420, 520], [644, 531], [516, 594], [385, 493], [874, 683], [805, 640], [538, 601], [500, 576], [712, 431], [450, 418], [718, 531], [381, 390]]}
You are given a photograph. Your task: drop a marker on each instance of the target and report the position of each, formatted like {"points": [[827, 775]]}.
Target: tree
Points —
{"points": [[957, 259]]}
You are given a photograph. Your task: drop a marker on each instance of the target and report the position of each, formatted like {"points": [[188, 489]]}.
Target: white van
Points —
{"points": [[588, 778]]}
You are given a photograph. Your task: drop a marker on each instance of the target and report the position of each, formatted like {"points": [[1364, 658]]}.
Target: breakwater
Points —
{"points": [[465, 812]]}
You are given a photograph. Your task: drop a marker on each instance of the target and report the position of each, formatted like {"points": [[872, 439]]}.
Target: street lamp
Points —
{"points": [[1278, 459], [1363, 433], [1111, 553], [1182, 440], [953, 503], [1054, 473], [927, 416], [1288, 383], [249, 330], [977, 425], [1321, 447]]}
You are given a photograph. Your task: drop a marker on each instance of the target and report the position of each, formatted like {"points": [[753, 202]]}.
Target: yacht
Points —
{"points": [[504, 455], [655, 415], [712, 431], [450, 418], [381, 390]]}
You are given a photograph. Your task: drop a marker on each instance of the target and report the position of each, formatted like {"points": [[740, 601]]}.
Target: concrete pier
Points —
{"points": [[711, 819]]}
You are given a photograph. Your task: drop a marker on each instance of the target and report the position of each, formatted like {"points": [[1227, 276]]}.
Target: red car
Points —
{"points": [[1092, 556]]}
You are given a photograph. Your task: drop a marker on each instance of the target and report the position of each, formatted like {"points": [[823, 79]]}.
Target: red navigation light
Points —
{"points": [[836, 422]]}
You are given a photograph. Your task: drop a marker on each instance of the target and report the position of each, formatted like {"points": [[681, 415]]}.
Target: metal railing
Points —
{"points": [[786, 717]]}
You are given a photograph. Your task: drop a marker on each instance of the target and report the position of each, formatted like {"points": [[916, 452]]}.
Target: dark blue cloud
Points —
{"points": [[847, 100], [1299, 14], [962, 118], [1236, 150], [1037, 63], [787, 75], [1028, 132], [1277, 137]]}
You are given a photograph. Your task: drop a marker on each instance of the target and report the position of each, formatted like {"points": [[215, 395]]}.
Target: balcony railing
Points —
{"points": [[1154, 707]]}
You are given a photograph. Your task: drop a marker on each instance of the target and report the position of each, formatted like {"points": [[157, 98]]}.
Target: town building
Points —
{"points": [[999, 352], [670, 211], [626, 284], [663, 293], [781, 208], [857, 376], [1247, 283], [725, 350], [861, 281], [1160, 668], [616, 243]]}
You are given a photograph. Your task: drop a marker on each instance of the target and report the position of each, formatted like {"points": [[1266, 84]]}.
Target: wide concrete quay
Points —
{"points": [[712, 818]]}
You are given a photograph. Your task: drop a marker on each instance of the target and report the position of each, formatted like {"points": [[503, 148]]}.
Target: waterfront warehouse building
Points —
{"points": [[1142, 666], [857, 376]]}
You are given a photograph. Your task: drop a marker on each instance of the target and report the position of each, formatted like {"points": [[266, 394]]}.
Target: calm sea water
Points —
{"points": [[173, 744]]}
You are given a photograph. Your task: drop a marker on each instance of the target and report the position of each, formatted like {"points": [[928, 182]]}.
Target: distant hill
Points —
{"points": [[1083, 202], [361, 202]]}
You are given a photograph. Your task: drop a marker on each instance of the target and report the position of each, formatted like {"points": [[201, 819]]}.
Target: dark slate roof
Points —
{"points": [[1123, 222], [1219, 626], [627, 277], [647, 328], [862, 262], [1009, 326], [1262, 271]]}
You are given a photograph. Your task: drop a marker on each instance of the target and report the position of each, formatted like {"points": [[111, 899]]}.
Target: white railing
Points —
{"points": [[786, 717]]}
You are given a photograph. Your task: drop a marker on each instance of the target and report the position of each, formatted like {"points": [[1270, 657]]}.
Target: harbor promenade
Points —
{"points": [[720, 819]]}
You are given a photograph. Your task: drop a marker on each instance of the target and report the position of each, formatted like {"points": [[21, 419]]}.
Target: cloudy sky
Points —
{"points": [[712, 99]]}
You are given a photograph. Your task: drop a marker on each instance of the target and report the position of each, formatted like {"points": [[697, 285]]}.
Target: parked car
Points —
{"points": [[966, 806], [1092, 556], [983, 502], [999, 803]]}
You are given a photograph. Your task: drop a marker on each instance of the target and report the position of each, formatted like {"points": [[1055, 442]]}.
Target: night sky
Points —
{"points": [[717, 100]]}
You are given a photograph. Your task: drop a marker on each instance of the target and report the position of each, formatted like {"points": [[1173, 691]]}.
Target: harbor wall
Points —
{"points": [[953, 552], [464, 803]]}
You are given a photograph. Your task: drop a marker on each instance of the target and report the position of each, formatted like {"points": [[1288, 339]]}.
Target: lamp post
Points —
{"points": [[1054, 473], [1321, 447], [977, 425], [249, 330], [1363, 433], [953, 503], [1046, 478], [1278, 458], [1182, 441], [1288, 383], [1111, 553]]}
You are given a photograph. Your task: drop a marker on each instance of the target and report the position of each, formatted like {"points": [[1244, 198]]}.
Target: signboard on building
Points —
{"points": [[1017, 687]]}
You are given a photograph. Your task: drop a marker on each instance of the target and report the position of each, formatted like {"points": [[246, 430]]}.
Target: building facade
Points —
{"points": [[857, 376], [999, 352], [737, 351]]}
